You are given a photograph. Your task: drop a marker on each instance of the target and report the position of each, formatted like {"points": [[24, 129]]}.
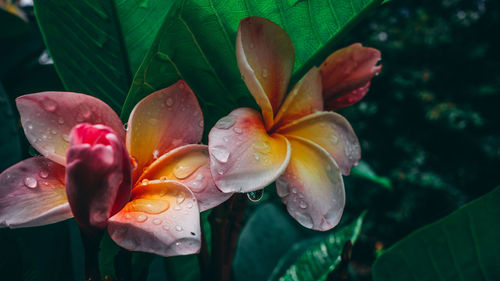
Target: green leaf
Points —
{"points": [[320, 258], [197, 43], [10, 147], [98, 45], [364, 171], [462, 246]]}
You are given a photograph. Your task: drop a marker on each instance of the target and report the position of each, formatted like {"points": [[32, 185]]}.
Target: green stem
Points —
{"points": [[226, 225]]}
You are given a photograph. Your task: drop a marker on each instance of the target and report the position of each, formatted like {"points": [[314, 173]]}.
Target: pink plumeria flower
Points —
{"points": [[149, 201], [293, 142]]}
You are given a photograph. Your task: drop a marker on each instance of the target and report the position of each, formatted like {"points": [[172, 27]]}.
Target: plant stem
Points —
{"points": [[91, 242], [226, 225]]}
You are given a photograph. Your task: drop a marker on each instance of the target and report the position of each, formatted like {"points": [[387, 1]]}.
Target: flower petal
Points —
{"points": [[243, 157], [188, 164], [98, 175], [332, 132], [32, 193], [162, 218], [312, 187], [162, 121], [265, 58], [347, 73], [48, 117], [305, 98]]}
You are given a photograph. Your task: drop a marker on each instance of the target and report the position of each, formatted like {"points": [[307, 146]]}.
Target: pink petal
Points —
{"points": [[162, 218], [305, 98], [243, 157], [188, 164], [162, 121], [332, 132], [312, 186], [347, 73], [48, 117], [265, 58], [32, 193], [98, 175]]}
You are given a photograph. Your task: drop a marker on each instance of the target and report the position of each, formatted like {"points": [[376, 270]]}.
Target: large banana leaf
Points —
{"points": [[318, 259], [462, 246], [98, 45], [197, 43]]}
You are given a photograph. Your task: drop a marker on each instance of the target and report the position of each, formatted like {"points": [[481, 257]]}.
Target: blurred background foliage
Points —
{"points": [[429, 126]]}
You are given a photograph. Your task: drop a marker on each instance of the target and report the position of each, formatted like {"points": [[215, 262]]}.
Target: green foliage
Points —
{"points": [[15, 25], [98, 45], [197, 43], [320, 258], [11, 148], [364, 171], [462, 246]]}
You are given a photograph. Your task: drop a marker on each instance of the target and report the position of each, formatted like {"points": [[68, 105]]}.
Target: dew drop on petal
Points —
{"points": [[163, 178], [220, 153], [237, 130], [125, 126], [49, 104], [157, 221], [165, 227], [282, 187], [169, 102], [264, 73], [60, 120], [30, 182], [144, 181], [189, 205], [304, 219], [197, 184], [44, 174], [141, 218], [302, 204], [178, 228], [156, 153], [149, 206], [180, 198], [225, 123]]}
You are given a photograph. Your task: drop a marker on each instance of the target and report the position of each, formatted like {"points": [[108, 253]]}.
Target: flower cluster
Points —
{"points": [[147, 183]]}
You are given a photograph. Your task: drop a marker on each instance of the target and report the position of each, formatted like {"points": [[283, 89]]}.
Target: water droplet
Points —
{"points": [[144, 181], [65, 137], [178, 244], [60, 120], [125, 126], [220, 172], [141, 218], [28, 125], [334, 139], [180, 197], [264, 73], [225, 122], [225, 139], [163, 178], [153, 121], [165, 227], [200, 124], [44, 174], [128, 216], [169, 102], [85, 111], [237, 130], [282, 187], [149, 205], [220, 153], [294, 190], [255, 196], [156, 153], [256, 156], [197, 184], [177, 207], [50, 149], [189, 205], [262, 146], [304, 219], [49, 104], [178, 228], [30, 182], [157, 221], [303, 204]]}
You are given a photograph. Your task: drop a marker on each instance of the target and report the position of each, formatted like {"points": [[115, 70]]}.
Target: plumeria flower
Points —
{"points": [[148, 201], [293, 141]]}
